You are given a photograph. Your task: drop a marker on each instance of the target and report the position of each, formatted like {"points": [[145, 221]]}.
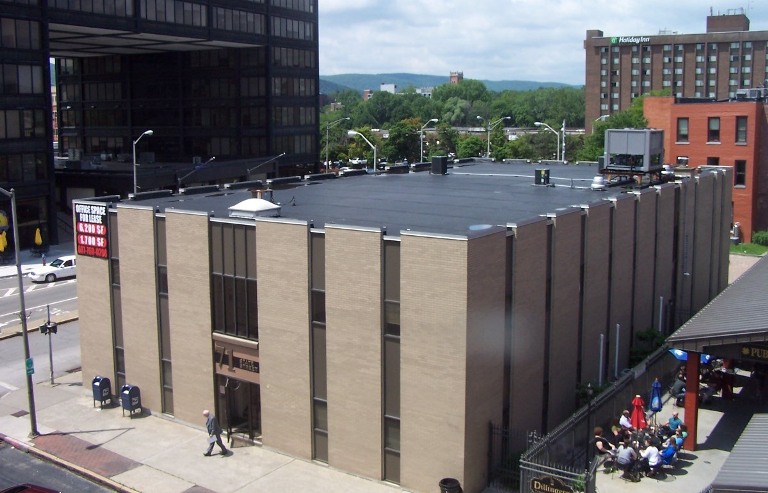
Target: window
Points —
{"points": [[713, 161], [682, 130], [741, 129], [682, 160], [740, 173], [713, 130]]}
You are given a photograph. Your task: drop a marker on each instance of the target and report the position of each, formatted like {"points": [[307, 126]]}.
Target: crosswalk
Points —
{"points": [[33, 287]]}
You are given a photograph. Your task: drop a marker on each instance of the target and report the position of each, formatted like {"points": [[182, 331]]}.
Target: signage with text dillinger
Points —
{"points": [[91, 230]]}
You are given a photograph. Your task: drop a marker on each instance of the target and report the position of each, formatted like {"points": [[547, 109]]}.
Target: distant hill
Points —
{"points": [[360, 82]]}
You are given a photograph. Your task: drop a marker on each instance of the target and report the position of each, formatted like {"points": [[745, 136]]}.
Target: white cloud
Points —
{"points": [[539, 40]]}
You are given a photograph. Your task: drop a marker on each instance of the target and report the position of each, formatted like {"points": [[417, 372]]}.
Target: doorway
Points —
{"points": [[239, 405]]}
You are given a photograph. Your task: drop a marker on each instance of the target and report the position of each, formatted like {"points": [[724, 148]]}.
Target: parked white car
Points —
{"points": [[59, 268]]}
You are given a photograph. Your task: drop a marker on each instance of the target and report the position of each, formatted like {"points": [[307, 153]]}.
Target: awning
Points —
{"points": [[746, 468], [735, 316]]}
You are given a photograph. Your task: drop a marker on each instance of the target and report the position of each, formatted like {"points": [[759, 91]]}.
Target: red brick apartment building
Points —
{"points": [[714, 64], [730, 133]]}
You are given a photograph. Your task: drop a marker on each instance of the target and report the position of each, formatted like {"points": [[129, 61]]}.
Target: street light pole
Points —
{"points": [[491, 127], [421, 138], [23, 314], [327, 128], [146, 132], [540, 124], [352, 133]]}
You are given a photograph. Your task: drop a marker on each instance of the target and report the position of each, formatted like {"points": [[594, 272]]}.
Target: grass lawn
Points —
{"points": [[749, 249]]}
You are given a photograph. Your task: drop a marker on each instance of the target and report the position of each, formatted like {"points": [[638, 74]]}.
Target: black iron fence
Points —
{"points": [[565, 454]]}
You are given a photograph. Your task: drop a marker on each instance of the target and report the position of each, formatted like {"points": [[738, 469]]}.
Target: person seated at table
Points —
{"points": [[617, 435], [604, 448], [624, 421], [626, 458], [651, 459], [669, 453], [672, 425], [674, 422]]}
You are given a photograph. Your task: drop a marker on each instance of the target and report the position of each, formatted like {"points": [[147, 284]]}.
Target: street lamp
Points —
{"points": [[352, 133], [23, 314], [600, 118], [146, 132], [327, 128], [421, 138], [251, 170], [491, 127], [540, 124]]}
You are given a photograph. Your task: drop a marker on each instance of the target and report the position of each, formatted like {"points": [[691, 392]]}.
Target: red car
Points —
{"points": [[29, 488]]}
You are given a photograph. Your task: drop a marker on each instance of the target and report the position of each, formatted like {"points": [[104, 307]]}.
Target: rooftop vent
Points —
{"points": [[252, 208]]}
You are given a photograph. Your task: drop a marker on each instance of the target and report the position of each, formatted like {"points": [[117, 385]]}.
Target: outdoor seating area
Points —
{"points": [[639, 446]]}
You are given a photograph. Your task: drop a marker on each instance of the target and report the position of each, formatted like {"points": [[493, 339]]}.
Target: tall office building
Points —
{"points": [[715, 64], [236, 80]]}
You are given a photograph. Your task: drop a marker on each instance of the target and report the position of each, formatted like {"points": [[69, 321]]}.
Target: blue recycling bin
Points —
{"points": [[130, 399], [102, 390]]}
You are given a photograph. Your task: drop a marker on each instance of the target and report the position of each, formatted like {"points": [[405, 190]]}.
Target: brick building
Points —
{"points": [[380, 323], [714, 64], [720, 133]]}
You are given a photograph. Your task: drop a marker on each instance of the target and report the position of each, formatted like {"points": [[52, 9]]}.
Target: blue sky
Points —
{"points": [[539, 40]]}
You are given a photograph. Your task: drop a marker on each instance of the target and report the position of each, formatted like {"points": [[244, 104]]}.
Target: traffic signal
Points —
{"points": [[51, 327]]}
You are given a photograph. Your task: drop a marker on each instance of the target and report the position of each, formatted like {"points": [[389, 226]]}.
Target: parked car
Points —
{"points": [[59, 268], [28, 488]]}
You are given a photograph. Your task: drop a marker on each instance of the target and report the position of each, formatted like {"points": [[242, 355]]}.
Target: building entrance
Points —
{"points": [[239, 405]]}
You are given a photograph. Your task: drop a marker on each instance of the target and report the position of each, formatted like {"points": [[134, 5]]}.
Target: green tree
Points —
{"points": [[470, 146], [403, 141]]}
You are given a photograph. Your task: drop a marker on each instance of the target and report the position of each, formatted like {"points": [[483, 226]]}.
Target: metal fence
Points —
{"points": [[565, 453]]}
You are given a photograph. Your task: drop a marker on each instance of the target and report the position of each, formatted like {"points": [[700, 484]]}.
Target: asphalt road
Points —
{"points": [[61, 296], [17, 467], [66, 356]]}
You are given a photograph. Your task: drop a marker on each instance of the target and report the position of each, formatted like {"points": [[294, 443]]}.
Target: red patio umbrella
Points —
{"points": [[637, 417]]}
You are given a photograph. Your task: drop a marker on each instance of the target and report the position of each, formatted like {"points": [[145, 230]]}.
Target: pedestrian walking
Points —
{"points": [[214, 433]]}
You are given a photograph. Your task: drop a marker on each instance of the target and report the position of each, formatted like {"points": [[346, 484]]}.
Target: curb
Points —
{"points": [[7, 334], [80, 471]]}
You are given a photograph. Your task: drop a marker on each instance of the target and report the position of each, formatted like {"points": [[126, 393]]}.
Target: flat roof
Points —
{"points": [[480, 193]]}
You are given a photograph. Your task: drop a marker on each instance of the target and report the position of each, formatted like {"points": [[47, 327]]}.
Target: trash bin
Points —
{"points": [[541, 177], [102, 390], [130, 398], [450, 485]]}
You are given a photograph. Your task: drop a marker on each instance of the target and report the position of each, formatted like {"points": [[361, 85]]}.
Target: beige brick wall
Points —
{"points": [[486, 283], [94, 305], [622, 279], [564, 335], [645, 243], [703, 240], [664, 267], [433, 366], [354, 349], [595, 308], [189, 309], [685, 253], [136, 227], [284, 326], [529, 289]]}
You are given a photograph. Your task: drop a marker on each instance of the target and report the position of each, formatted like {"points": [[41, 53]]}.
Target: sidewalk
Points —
{"points": [[150, 453]]}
